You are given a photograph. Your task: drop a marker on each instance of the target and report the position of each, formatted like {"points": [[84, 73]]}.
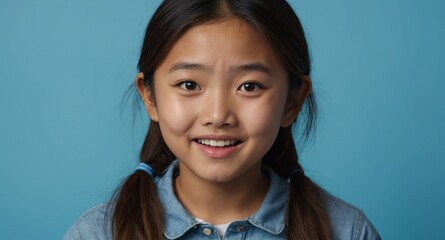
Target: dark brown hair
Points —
{"points": [[137, 212]]}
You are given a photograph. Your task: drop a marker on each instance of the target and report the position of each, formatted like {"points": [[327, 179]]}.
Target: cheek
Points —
{"points": [[263, 119], [175, 116]]}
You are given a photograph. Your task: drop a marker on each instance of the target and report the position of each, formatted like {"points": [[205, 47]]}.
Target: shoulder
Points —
{"points": [[93, 224], [347, 221], [96, 222]]}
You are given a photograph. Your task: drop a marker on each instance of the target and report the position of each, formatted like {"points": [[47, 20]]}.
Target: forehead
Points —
{"points": [[228, 29], [229, 40]]}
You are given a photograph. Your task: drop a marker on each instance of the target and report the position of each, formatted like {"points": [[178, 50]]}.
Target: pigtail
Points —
{"points": [[137, 212], [306, 215]]}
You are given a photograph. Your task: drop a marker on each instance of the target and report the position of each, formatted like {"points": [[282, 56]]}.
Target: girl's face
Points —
{"points": [[220, 98]]}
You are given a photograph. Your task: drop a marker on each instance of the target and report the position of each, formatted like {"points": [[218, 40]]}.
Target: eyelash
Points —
{"points": [[183, 85], [257, 86]]}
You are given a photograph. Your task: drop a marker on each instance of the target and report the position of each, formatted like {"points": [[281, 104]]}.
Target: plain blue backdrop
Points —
{"points": [[66, 141]]}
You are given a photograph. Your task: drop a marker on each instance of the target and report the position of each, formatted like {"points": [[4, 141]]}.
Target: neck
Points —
{"points": [[220, 203]]}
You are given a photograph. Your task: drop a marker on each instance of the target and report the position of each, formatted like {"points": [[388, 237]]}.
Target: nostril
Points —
{"points": [[217, 115]]}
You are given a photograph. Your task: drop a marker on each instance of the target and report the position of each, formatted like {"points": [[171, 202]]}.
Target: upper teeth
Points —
{"points": [[216, 143]]}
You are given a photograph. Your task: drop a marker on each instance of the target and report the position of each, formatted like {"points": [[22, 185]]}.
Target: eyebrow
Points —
{"points": [[241, 68], [188, 66], [252, 67]]}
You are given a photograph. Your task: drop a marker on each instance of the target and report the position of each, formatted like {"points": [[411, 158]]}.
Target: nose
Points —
{"points": [[217, 110]]}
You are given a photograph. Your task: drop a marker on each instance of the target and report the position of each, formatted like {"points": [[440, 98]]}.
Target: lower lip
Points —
{"points": [[217, 152]]}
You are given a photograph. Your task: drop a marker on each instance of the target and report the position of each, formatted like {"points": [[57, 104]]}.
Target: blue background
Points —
{"points": [[66, 141]]}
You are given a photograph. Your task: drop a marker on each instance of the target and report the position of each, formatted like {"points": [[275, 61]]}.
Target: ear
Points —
{"points": [[147, 97], [295, 101]]}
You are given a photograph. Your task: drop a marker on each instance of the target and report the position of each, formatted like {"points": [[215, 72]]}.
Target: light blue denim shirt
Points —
{"points": [[268, 222]]}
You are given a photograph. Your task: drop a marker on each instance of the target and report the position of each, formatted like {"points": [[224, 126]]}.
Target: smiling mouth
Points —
{"points": [[217, 143]]}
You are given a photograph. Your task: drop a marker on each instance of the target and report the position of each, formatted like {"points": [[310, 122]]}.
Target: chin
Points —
{"points": [[217, 176]]}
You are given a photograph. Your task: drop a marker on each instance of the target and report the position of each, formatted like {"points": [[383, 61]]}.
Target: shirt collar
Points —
{"points": [[270, 216], [177, 220]]}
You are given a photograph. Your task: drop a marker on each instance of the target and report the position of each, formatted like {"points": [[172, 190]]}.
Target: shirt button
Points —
{"points": [[207, 231]]}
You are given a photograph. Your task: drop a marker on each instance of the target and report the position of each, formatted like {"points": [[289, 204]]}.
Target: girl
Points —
{"points": [[223, 81]]}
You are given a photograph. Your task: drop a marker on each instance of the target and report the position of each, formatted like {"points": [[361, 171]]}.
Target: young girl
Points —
{"points": [[223, 82]]}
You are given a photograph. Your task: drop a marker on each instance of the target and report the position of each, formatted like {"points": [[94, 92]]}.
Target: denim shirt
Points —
{"points": [[347, 222]]}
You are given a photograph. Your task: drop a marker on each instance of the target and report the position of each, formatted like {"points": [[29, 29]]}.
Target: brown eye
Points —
{"points": [[249, 87], [189, 85]]}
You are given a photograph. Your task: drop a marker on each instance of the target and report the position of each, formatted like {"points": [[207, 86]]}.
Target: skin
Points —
{"points": [[220, 81]]}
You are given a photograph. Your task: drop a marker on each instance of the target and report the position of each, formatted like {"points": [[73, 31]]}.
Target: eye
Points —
{"points": [[250, 87], [189, 85]]}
